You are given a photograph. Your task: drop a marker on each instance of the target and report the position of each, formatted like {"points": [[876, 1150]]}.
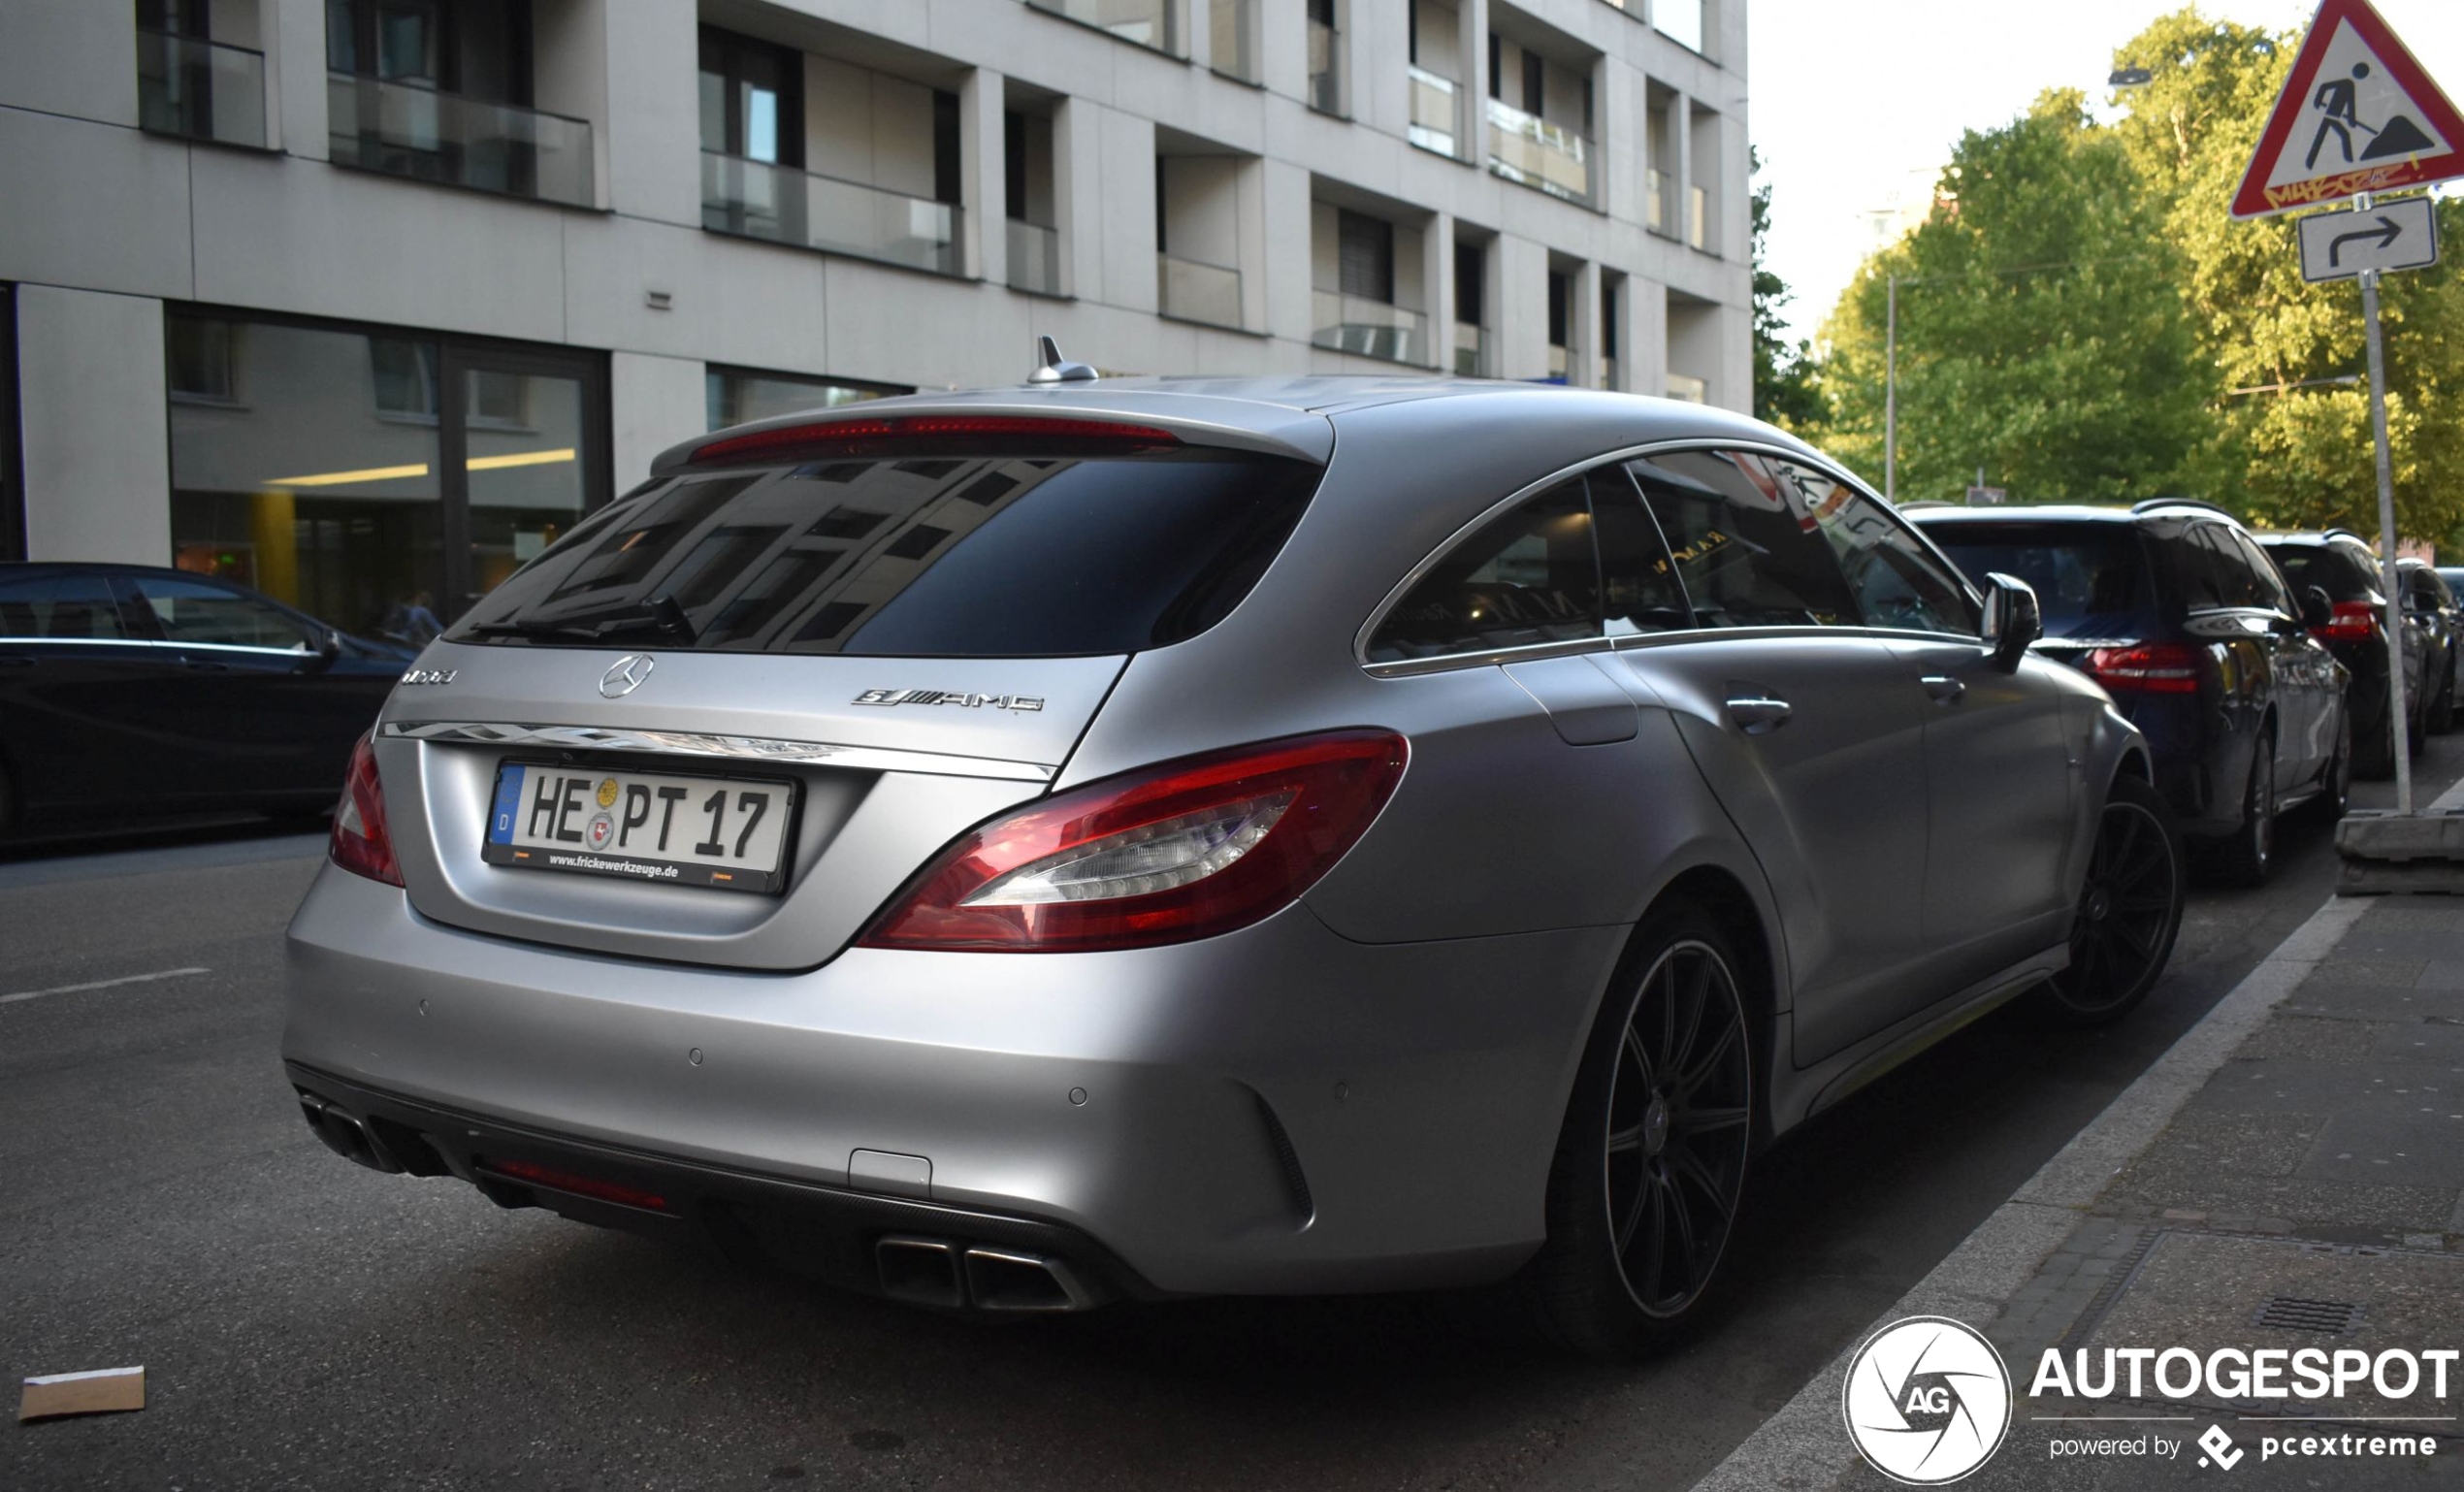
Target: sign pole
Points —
{"points": [[1891, 396], [2388, 578]]}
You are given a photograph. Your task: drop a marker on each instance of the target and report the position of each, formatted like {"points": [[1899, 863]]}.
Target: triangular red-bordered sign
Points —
{"points": [[2357, 114]]}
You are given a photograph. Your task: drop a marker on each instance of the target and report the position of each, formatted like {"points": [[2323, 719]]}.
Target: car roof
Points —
{"points": [[26, 567], [1296, 414], [2065, 512]]}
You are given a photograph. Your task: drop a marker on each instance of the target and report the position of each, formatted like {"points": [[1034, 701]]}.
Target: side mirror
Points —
{"points": [[2318, 608], [2013, 620], [329, 648]]}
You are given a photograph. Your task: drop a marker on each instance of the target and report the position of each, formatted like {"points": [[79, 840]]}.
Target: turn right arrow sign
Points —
{"points": [[2398, 235]]}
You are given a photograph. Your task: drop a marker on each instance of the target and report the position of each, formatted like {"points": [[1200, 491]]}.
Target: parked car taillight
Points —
{"points": [[360, 844], [2353, 621], [2148, 667], [1184, 850]]}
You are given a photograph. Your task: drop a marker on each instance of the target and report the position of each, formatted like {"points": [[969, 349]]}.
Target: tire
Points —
{"points": [[1644, 1188], [2374, 753], [2245, 859], [2441, 711], [2335, 789], [2136, 871]]}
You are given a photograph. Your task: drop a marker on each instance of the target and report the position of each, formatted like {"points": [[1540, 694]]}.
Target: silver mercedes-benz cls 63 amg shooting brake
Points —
{"points": [[1130, 838]]}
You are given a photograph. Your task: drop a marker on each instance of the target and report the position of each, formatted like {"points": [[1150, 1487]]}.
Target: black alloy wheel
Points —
{"points": [[2374, 753], [1650, 1171], [2130, 910], [2245, 859]]}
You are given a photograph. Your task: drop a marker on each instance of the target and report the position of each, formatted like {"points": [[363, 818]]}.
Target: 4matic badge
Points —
{"points": [[1020, 702], [1928, 1399]]}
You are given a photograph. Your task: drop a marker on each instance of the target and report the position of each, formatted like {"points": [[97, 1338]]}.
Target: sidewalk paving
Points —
{"points": [[2290, 1175]]}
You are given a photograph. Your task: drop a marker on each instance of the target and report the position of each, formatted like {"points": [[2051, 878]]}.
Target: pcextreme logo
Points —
{"points": [[1928, 1399]]}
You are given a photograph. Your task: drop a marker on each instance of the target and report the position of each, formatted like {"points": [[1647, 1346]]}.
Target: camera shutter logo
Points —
{"points": [[1928, 1399], [626, 675]]}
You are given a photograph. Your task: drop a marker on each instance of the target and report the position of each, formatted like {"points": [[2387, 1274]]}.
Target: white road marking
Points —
{"points": [[98, 983]]}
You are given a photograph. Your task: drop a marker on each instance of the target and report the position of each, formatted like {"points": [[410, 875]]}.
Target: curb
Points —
{"points": [[1802, 1446]]}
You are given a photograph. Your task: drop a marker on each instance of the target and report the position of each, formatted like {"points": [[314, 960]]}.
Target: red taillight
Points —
{"points": [[360, 844], [2353, 621], [2148, 668], [578, 1185], [1185, 850], [854, 434]]}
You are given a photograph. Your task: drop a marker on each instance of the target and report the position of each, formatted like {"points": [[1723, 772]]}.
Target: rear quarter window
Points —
{"points": [[927, 553]]}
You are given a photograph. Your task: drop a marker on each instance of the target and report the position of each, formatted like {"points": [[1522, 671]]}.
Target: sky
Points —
{"points": [[1854, 104]]}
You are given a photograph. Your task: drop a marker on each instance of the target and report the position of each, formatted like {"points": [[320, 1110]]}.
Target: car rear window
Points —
{"points": [[2329, 566], [966, 555], [2091, 579]]}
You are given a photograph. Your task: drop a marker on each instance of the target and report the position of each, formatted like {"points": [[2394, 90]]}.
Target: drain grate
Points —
{"points": [[2290, 1312]]}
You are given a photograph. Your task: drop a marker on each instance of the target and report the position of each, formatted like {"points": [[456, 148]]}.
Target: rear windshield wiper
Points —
{"points": [[666, 619], [531, 630]]}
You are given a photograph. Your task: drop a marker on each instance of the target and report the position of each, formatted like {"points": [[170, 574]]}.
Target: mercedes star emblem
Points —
{"points": [[626, 675]]}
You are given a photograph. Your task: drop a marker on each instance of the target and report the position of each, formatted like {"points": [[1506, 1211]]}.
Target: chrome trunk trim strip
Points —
{"points": [[737, 748]]}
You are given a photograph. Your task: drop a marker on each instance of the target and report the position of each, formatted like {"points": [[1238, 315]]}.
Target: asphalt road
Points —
{"points": [[306, 1323]]}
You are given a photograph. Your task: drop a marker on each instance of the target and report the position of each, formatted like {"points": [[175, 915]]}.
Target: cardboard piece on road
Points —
{"points": [[99, 1391], [2357, 114], [2398, 235]]}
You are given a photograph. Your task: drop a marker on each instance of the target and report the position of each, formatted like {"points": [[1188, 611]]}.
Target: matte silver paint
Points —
{"points": [[1908, 854]]}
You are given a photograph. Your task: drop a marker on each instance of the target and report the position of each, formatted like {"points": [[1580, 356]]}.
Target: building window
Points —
{"points": [[1365, 256], [751, 99], [1325, 56], [372, 474], [737, 395]]}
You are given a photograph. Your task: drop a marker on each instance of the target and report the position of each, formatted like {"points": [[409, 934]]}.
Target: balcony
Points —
{"points": [[1436, 112], [420, 133], [199, 89], [1192, 291], [1548, 157], [1325, 68], [1472, 346], [782, 205], [1352, 323], [1035, 258], [1147, 22], [1231, 40]]}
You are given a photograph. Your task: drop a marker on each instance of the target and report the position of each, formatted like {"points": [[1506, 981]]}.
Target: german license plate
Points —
{"points": [[727, 833]]}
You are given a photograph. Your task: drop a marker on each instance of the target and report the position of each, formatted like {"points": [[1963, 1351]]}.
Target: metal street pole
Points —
{"points": [[1891, 397], [2386, 540]]}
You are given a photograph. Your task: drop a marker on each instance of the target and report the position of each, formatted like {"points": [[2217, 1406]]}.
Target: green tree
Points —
{"points": [[2042, 336], [1785, 391], [2299, 452]]}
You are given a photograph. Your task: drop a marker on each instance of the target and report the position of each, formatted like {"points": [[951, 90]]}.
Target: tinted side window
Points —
{"points": [[2193, 567], [1747, 547], [1898, 584], [2235, 580], [74, 606], [191, 611], [2271, 585], [1639, 579], [1531, 576]]}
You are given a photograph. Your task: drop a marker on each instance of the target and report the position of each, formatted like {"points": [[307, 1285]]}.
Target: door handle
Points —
{"points": [[205, 666], [1758, 713], [1944, 689]]}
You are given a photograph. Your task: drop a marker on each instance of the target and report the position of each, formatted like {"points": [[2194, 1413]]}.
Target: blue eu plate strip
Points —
{"points": [[509, 803]]}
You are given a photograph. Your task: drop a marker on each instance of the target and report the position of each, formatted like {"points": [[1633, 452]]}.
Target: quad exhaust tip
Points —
{"points": [[938, 1272], [346, 1136]]}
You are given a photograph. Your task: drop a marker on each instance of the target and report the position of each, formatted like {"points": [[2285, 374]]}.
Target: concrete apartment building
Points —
{"points": [[352, 300]]}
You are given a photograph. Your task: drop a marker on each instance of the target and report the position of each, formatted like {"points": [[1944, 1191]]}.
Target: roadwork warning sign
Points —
{"points": [[2357, 114]]}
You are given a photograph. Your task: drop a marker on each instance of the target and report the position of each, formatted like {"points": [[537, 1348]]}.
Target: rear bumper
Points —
{"points": [[1273, 1111]]}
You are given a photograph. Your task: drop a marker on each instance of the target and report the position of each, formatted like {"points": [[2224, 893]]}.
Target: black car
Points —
{"points": [[2187, 625], [2429, 599], [2346, 568], [127, 689]]}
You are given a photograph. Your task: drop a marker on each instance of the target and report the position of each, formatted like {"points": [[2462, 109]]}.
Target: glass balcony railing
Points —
{"points": [[1232, 39], [1609, 377], [1325, 68], [1199, 292], [1655, 200], [1436, 112], [408, 131], [1472, 352], [1698, 217], [1148, 22], [787, 206], [1527, 148], [1689, 388], [1035, 258], [201, 89], [1557, 363], [1352, 323]]}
